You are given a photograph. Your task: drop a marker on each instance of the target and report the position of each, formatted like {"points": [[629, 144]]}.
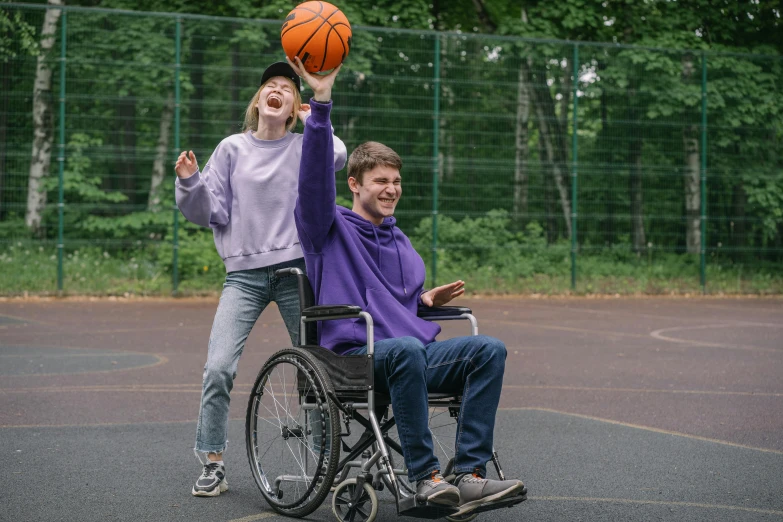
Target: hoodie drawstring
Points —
{"points": [[378, 247], [399, 260]]}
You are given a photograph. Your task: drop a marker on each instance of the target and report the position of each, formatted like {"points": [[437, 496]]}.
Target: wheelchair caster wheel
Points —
{"points": [[345, 507]]}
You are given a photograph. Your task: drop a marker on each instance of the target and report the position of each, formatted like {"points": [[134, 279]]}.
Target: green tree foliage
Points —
{"points": [[504, 119]]}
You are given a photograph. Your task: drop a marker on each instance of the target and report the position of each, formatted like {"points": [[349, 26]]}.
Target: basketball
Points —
{"points": [[318, 33]]}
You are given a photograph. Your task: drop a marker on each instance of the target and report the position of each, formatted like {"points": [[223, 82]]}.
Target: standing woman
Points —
{"points": [[246, 194]]}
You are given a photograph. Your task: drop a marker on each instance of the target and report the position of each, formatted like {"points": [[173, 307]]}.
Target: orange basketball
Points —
{"points": [[318, 33]]}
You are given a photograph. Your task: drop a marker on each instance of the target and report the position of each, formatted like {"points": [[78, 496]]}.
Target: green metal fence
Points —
{"points": [[529, 165]]}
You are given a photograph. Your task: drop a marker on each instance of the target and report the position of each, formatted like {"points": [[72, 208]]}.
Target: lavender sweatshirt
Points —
{"points": [[350, 260], [246, 194]]}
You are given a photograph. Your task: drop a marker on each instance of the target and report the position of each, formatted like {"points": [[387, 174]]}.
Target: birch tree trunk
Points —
{"points": [[161, 152], [692, 190], [237, 111], [636, 196], [691, 174], [43, 131], [521, 146], [552, 140], [605, 142], [5, 86], [637, 201]]}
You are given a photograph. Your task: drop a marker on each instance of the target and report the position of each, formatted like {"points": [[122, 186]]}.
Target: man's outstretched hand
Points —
{"points": [[443, 294], [321, 84]]}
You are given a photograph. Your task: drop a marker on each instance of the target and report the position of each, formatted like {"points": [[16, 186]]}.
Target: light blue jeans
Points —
{"points": [[245, 295]]}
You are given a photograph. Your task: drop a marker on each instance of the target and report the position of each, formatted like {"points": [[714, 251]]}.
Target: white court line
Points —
{"points": [[659, 334]]}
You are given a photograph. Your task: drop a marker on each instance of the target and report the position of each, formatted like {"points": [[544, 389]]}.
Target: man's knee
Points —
{"points": [[493, 350], [410, 350]]}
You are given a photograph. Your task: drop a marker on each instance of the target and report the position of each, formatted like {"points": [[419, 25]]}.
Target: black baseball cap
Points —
{"points": [[284, 70]]}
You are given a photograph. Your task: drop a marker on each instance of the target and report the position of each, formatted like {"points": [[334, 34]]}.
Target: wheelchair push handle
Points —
{"points": [[285, 272]]}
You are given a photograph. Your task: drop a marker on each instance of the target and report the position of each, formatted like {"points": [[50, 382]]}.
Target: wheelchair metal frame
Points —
{"points": [[407, 504]]}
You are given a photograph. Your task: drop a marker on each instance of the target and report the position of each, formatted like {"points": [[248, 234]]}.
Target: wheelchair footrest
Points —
{"points": [[410, 507], [504, 503]]}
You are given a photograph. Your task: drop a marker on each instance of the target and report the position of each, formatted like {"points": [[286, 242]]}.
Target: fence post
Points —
{"points": [[575, 162], [703, 205], [61, 157], [435, 152], [177, 66]]}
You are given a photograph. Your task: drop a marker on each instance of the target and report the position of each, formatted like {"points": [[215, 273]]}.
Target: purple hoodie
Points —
{"points": [[351, 261]]}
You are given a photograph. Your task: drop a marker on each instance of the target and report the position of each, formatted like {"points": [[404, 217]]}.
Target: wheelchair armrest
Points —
{"points": [[442, 312], [322, 312]]}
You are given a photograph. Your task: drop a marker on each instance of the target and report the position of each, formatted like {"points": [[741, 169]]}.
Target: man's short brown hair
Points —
{"points": [[369, 155]]}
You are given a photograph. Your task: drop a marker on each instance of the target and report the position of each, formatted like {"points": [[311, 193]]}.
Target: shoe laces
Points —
{"points": [[434, 479], [210, 469], [474, 478]]}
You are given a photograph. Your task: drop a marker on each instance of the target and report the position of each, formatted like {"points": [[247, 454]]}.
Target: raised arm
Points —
{"points": [[315, 207], [203, 197], [340, 150]]}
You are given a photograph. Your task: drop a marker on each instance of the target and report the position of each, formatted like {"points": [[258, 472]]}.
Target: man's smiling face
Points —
{"points": [[377, 195]]}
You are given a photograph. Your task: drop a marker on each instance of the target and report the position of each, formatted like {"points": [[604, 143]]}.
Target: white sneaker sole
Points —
{"points": [[470, 506], [221, 488]]}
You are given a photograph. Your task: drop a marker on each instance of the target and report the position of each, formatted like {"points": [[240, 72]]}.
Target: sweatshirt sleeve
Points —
{"points": [[205, 197], [315, 207], [340, 150]]}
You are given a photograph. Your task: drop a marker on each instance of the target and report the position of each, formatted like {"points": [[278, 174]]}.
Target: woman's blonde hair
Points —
{"points": [[251, 114]]}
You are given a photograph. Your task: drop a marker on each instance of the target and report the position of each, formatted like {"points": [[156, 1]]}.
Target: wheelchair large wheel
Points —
{"points": [[292, 432]]}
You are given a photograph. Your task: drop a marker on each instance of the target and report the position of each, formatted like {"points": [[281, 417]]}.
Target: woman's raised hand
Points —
{"points": [[186, 164], [320, 84], [304, 112]]}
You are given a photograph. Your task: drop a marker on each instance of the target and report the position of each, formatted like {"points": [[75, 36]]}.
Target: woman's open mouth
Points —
{"points": [[274, 102]]}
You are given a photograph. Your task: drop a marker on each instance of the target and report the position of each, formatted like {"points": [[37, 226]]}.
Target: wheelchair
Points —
{"points": [[299, 417]]}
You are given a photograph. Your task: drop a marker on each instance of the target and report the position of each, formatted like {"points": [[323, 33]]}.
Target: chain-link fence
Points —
{"points": [[529, 165]]}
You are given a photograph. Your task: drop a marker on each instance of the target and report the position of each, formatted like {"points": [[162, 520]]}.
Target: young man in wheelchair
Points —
{"points": [[360, 257]]}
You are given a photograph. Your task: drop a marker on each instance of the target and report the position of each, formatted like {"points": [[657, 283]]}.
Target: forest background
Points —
{"points": [[579, 146]]}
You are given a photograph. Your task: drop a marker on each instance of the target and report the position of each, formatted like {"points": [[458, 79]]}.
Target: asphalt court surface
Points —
{"points": [[612, 409]]}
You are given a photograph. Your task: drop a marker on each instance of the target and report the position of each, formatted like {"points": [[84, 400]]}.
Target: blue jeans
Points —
{"points": [[407, 370], [245, 295]]}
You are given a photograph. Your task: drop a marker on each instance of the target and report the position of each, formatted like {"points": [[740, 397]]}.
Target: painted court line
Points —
{"points": [[648, 428], [547, 410], [642, 390], [660, 503], [196, 388], [600, 312], [659, 334], [563, 328]]}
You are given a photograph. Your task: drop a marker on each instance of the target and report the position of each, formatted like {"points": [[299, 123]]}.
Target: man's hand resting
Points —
{"points": [[443, 294]]}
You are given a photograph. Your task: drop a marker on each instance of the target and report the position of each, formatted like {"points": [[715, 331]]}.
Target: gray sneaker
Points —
{"points": [[212, 481], [475, 491], [436, 490]]}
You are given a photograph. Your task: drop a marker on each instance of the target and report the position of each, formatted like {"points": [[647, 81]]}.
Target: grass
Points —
{"points": [[27, 268]]}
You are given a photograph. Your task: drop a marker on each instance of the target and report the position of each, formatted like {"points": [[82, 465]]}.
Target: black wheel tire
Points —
{"points": [[321, 387]]}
